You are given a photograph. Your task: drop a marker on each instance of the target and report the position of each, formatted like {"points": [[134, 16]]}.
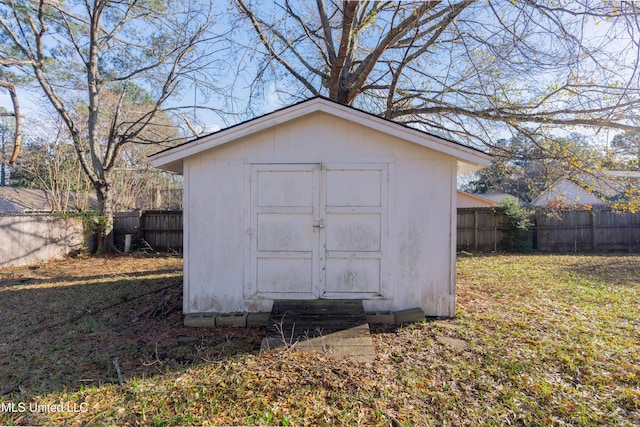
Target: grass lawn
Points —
{"points": [[537, 340]]}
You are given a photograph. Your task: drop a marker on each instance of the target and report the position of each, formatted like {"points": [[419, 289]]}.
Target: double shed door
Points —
{"points": [[317, 231]]}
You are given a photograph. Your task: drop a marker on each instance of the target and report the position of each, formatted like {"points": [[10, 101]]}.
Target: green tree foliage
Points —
{"points": [[524, 166], [625, 148], [519, 222]]}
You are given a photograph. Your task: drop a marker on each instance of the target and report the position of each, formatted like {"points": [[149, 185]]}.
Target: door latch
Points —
{"points": [[319, 223]]}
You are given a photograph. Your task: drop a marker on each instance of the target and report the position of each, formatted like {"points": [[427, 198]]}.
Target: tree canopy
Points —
{"points": [[528, 170], [466, 69]]}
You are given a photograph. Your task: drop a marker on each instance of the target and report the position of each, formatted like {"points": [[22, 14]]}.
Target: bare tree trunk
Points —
{"points": [[339, 87], [104, 191]]}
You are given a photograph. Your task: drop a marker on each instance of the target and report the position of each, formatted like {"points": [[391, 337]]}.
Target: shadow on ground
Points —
{"points": [[64, 333], [621, 269]]}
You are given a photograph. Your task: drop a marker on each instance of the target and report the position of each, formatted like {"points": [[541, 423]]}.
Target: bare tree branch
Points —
{"points": [[108, 68], [17, 139], [463, 66], [263, 38]]}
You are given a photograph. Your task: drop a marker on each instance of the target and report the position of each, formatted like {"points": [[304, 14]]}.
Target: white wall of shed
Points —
{"points": [[421, 213]]}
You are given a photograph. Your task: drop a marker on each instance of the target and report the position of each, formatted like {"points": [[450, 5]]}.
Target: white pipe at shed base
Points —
{"points": [[127, 243]]}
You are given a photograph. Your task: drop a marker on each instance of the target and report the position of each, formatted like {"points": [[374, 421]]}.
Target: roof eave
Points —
{"points": [[469, 159], [465, 167]]}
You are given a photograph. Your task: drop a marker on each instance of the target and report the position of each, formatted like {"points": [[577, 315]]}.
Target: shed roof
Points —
{"points": [[469, 158]]}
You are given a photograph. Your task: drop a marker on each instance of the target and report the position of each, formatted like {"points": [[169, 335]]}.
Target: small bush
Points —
{"points": [[518, 237]]}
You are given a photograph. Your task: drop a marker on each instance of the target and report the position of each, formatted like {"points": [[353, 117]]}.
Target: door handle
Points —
{"points": [[319, 223]]}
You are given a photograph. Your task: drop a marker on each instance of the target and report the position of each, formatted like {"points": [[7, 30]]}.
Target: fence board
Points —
{"points": [[564, 231], [615, 231], [481, 229], [596, 230], [600, 229], [163, 229], [126, 223]]}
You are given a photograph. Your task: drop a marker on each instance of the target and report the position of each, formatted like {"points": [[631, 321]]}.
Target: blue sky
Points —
{"points": [[30, 100]]}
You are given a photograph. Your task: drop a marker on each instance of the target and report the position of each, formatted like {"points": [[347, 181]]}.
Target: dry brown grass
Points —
{"points": [[550, 340], [63, 323]]}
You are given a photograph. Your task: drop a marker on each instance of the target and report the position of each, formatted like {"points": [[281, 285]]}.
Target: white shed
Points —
{"points": [[320, 201]]}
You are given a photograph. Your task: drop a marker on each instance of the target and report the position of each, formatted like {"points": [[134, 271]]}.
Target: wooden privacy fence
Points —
{"points": [[600, 229], [597, 230], [479, 229], [161, 230]]}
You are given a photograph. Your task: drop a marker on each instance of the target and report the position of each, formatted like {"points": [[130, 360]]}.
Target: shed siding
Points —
{"points": [[420, 211]]}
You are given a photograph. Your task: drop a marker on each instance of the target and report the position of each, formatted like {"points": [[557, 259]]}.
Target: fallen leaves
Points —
{"points": [[549, 340]]}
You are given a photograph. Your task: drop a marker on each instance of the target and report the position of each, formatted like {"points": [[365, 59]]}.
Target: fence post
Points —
{"points": [[594, 230], [475, 229]]}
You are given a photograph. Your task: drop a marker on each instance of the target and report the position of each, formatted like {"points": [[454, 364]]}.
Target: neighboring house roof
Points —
{"points": [[498, 198], [591, 189], [24, 200], [468, 200], [18, 200], [469, 159]]}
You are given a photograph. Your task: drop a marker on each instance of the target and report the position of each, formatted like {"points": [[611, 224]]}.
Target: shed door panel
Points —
{"points": [[354, 230], [317, 232], [284, 249]]}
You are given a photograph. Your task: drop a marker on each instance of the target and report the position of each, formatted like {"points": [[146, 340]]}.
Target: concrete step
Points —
{"points": [[337, 327]]}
